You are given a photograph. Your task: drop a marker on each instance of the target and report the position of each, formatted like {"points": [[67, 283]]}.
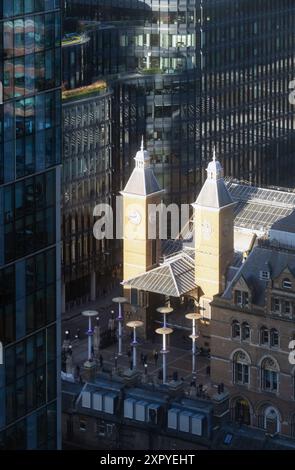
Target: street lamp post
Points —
{"points": [[120, 301], [89, 314], [134, 324], [193, 317], [164, 332], [165, 311]]}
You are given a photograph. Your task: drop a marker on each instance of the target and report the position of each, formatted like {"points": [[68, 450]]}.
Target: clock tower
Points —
{"points": [[139, 252], [214, 232]]}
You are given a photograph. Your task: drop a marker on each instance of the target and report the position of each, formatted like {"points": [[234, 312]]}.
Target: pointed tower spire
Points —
{"points": [[142, 180], [214, 192]]}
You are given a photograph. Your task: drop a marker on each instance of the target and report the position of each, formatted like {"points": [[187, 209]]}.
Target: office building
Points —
{"points": [[192, 75], [87, 178], [30, 155]]}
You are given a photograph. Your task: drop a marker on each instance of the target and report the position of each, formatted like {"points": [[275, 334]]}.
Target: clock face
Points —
{"points": [[206, 230], [134, 217]]}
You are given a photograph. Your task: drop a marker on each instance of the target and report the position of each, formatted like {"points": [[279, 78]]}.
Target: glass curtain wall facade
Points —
{"points": [[87, 181], [30, 155], [206, 73], [247, 63]]}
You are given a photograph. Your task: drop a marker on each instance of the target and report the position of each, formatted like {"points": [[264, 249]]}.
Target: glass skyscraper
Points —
{"points": [[30, 156], [197, 74]]}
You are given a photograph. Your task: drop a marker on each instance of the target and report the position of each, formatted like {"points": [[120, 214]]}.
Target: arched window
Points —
{"points": [[236, 329], [269, 375], [241, 411], [274, 338], [245, 331], [271, 420], [264, 335], [287, 284], [241, 363]]}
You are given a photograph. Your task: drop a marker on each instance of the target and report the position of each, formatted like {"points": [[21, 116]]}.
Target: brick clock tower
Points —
{"points": [[140, 253], [214, 235]]}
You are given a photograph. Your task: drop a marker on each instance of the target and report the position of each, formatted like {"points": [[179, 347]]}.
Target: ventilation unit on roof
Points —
{"points": [[129, 408], [154, 413]]}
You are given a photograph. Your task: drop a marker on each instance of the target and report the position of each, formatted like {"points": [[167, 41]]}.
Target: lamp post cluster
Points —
{"points": [[164, 331]]}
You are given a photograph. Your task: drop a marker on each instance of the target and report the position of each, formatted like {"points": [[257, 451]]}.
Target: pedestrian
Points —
{"points": [[92, 351], [208, 370], [129, 353], [156, 357], [101, 361], [145, 359], [175, 376]]}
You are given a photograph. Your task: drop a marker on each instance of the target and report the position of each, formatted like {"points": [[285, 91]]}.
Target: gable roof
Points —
{"points": [[175, 277], [276, 259], [215, 194], [142, 182]]}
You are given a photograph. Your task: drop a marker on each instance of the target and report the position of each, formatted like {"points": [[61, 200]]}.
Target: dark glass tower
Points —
{"points": [[198, 74], [30, 155]]}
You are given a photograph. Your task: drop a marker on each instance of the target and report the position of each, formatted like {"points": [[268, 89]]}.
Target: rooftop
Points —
{"points": [[262, 258], [174, 277]]}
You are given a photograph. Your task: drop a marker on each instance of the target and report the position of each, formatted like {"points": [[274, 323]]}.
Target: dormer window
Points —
{"points": [[241, 298], [287, 284], [264, 275]]}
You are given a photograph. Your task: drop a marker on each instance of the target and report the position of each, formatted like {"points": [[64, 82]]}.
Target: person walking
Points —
{"points": [[101, 361], [142, 359], [156, 357]]}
